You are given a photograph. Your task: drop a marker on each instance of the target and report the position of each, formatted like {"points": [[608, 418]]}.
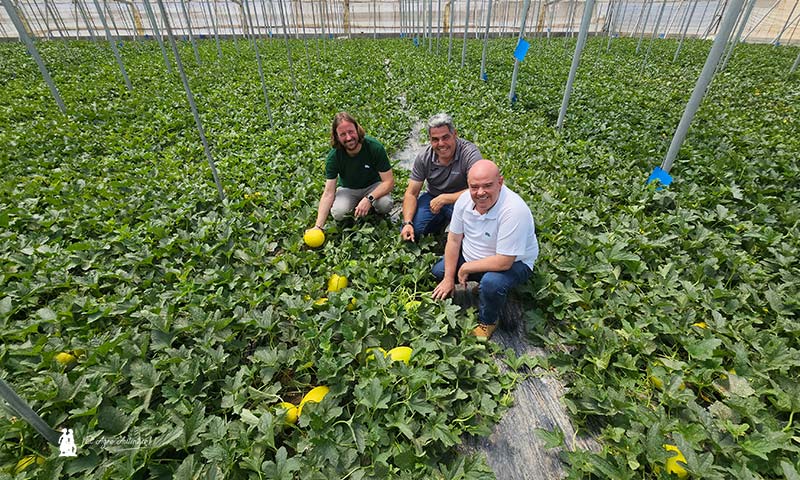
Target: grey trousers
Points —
{"points": [[347, 199]]}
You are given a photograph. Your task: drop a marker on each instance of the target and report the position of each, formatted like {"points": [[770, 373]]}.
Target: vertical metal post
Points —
{"points": [[233, 30], [613, 13], [644, 24], [148, 9], [288, 47], [700, 88], [683, 33], [576, 60], [305, 37], [113, 46], [85, 16], [738, 35], [484, 77], [794, 66], [466, 31], [512, 94], [192, 104], [654, 35], [191, 36], [214, 27], [23, 35], [450, 42], [438, 26], [111, 17], [430, 26]]}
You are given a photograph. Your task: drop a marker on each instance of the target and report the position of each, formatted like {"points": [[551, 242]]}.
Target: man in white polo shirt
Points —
{"points": [[492, 240]]}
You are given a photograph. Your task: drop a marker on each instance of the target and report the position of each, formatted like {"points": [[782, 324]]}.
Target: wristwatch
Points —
{"points": [[371, 199], [407, 223]]}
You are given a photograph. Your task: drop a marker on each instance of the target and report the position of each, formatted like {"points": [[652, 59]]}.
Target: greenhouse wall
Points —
{"points": [[771, 21]]}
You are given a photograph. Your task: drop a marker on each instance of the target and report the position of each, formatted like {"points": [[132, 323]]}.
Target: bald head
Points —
{"points": [[485, 182], [483, 169]]}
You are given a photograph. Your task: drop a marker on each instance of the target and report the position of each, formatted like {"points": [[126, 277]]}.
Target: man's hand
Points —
{"points": [[362, 209], [407, 233], [443, 290], [437, 203], [462, 275]]}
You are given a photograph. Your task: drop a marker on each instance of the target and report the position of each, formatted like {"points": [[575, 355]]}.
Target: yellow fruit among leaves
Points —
{"points": [[672, 463], [315, 396], [27, 461], [371, 356], [314, 237], [292, 412], [65, 358], [337, 282], [399, 354], [412, 306]]}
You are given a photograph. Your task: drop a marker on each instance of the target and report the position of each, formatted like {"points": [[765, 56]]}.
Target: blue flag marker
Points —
{"points": [[416, 42], [521, 50], [663, 178], [485, 77]]}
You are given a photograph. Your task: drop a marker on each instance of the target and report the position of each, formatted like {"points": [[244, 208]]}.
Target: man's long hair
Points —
{"points": [[337, 120]]}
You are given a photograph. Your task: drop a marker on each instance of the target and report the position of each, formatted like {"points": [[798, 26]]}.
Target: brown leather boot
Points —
{"points": [[485, 330]]}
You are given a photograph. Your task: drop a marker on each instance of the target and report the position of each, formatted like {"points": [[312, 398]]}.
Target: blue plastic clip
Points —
{"points": [[484, 77], [514, 99], [521, 50], [416, 42], [663, 178]]}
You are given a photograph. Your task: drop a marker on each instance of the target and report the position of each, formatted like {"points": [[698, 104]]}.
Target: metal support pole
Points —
{"points": [[466, 31], [450, 42], [794, 66], [438, 26], [214, 26], [654, 35], [113, 46], [191, 36], [149, 10], [512, 94], [777, 40], [305, 37], [233, 30], [706, 75], [576, 60], [644, 25], [430, 26], [738, 35], [17, 404], [486, 41], [23, 35], [288, 47], [683, 34], [85, 16], [192, 104], [766, 14]]}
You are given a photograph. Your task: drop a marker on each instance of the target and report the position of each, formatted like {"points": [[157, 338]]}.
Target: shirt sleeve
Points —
{"points": [[380, 158], [331, 167], [459, 208], [469, 155], [419, 172]]}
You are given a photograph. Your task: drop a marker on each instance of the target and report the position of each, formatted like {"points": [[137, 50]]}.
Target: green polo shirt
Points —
{"points": [[360, 171]]}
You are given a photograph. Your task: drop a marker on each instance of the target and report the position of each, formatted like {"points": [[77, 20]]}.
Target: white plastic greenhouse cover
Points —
{"points": [[769, 21]]}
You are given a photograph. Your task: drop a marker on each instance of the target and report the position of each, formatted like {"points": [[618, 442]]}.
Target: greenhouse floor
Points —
{"points": [[514, 450]]}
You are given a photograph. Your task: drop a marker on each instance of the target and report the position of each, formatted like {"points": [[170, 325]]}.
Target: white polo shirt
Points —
{"points": [[506, 229]]}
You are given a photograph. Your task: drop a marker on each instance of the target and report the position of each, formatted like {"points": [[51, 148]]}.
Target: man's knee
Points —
{"points": [[383, 204], [495, 283], [339, 210]]}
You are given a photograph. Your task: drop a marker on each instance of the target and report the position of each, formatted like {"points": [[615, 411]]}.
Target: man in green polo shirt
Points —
{"points": [[358, 165]]}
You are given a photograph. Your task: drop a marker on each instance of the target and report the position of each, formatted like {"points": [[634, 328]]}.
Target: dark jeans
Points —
{"points": [[494, 286], [427, 222]]}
